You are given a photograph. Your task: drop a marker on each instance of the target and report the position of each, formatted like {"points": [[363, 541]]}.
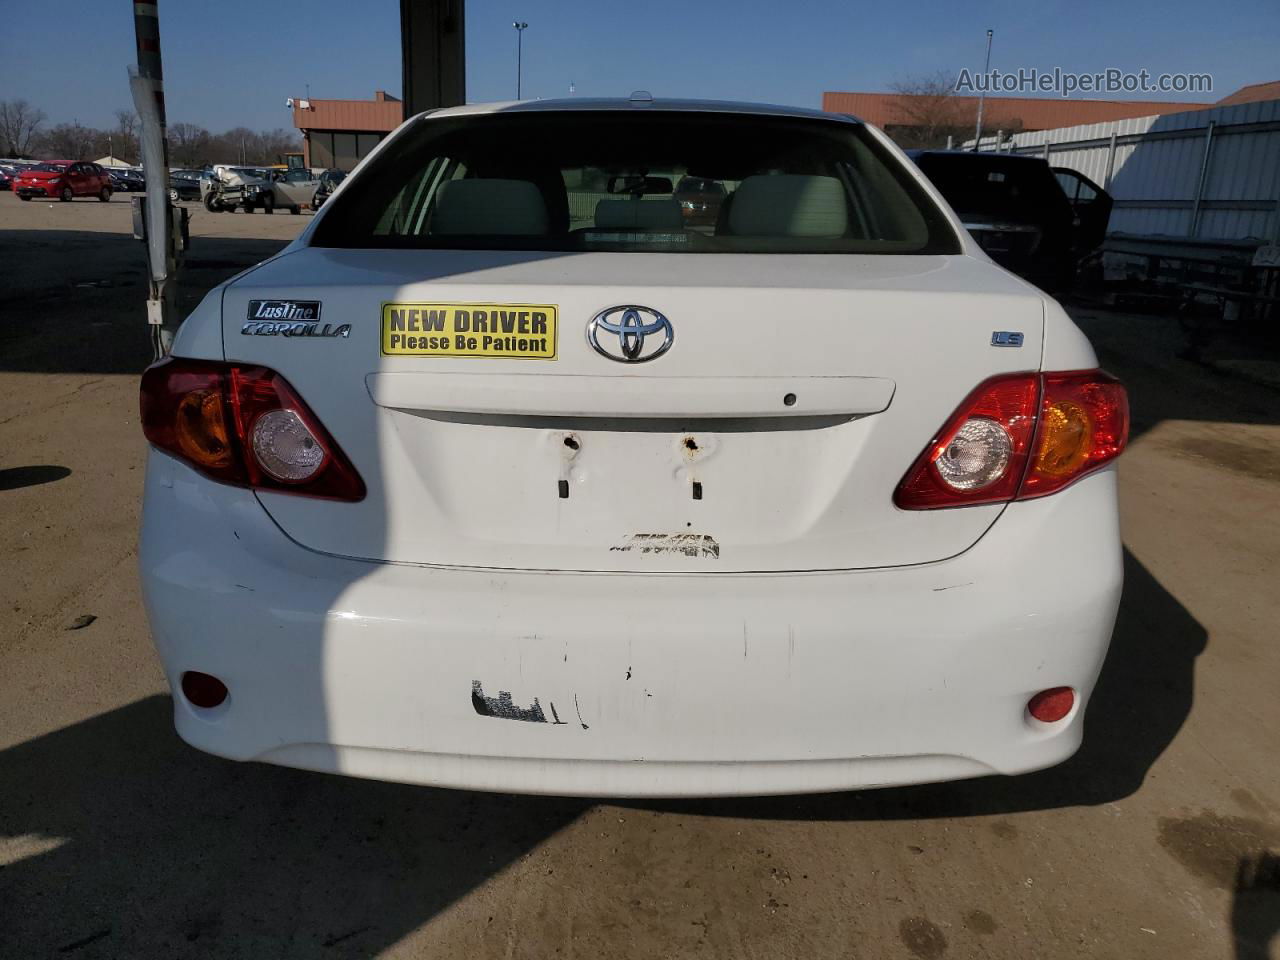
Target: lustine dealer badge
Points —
{"points": [[516, 330]]}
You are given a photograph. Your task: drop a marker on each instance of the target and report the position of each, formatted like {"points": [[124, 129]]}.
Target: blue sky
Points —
{"points": [[74, 69]]}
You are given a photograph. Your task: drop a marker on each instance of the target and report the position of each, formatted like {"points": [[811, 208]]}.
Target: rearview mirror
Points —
{"points": [[637, 185]]}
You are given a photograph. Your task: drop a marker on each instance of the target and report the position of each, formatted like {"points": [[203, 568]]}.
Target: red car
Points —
{"points": [[63, 180]]}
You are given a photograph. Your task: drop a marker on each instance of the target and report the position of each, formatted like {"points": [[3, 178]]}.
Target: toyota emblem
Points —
{"points": [[630, 334]]}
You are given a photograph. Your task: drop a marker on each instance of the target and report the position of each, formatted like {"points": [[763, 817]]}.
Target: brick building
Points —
{"points": [[337, 134]]}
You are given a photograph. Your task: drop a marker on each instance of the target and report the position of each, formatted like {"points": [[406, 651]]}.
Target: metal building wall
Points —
{"points": [[1212, 174]]}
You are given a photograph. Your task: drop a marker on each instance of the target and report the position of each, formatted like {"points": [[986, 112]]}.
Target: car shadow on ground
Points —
{"points": [[74, 301], [148, 848], [1255, 906], [144, 847]]}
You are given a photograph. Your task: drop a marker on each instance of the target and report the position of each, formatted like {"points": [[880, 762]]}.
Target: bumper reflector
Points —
{"points": [[202, 689], [1050, 706]]}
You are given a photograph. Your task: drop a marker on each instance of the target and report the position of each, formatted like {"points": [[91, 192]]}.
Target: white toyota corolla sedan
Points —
{"points": [[633, 448]]}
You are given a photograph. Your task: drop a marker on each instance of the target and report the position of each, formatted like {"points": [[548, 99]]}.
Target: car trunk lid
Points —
{"points": [[770, 437]]}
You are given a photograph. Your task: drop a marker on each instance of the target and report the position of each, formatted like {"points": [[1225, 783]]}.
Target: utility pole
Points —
{"points": [[520, 29], [147, 84], [982, 94]]}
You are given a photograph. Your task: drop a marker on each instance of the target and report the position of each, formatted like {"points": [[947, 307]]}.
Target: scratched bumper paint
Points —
{"points": [[661, 685]]}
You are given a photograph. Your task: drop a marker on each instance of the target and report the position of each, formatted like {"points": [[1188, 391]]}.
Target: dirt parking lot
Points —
{"points": [[1160, 839]]}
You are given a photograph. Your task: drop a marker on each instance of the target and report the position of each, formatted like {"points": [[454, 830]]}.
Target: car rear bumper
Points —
{"points": [[630, 684]]}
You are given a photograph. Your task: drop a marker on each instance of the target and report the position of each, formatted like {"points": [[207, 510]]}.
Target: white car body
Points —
{"points": [[790, 629]]}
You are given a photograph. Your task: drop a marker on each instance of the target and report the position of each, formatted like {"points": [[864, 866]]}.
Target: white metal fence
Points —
{"points": [[1205, 174]]}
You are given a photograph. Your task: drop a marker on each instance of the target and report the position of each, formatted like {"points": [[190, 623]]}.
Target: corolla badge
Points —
{"points": [[630, 334]]}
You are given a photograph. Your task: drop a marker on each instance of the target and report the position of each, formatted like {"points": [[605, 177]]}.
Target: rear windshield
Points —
{"points": [[980, 185], [50, 167], [620, 181]]}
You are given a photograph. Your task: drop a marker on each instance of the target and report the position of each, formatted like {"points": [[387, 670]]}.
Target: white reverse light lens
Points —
{"points": [[284, 446], [976, 456]]}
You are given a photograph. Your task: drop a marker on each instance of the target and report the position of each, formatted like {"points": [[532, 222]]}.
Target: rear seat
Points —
{"points": [[639, 215], [489, 206], [787, 205]]}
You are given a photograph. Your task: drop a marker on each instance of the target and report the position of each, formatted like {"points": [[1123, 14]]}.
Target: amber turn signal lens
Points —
{"points": [[1066, 438], [201, 429]]}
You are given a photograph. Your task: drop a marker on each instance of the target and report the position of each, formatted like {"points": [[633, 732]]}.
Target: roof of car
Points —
{"points": [[638, 104], [984, 154]]}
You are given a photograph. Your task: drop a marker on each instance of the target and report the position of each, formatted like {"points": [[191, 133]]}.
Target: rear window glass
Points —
{"points": [[653, 181]]}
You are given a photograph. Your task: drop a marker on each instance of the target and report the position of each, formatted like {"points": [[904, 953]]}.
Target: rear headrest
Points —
{"points": [[489, 206], [651, 214], [789, 205]]}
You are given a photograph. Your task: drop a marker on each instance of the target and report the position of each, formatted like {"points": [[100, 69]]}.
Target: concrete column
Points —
{"points": [[433, 54]]}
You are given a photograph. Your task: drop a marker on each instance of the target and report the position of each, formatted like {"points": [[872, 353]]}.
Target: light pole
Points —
{"points": [[982, 94], [520, 29]]}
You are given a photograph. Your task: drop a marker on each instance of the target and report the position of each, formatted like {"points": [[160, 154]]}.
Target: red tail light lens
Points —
{"points": [[939, 478], [244, 425], [1020, 436]]}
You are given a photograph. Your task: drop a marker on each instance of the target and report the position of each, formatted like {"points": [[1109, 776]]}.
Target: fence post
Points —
{"points": [[1111, 162], [1204, 176]]}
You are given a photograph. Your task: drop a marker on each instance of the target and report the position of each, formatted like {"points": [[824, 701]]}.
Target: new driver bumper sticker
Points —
{"points": [[523, 331]]}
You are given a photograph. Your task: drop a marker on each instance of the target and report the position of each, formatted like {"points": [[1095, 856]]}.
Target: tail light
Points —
{"points": [[243, 425], [1020, 436]]}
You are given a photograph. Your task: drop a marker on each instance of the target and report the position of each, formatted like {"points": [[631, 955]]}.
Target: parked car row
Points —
{"points": [[219, 188]]}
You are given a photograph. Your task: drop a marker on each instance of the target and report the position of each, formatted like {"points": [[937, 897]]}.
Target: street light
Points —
{"points": [[982, 93], [520, 29]]}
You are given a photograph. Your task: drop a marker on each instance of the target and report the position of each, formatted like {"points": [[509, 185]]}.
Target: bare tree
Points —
{"points": [[124, 138], [237, 145], [189, 144], [259, 148], [926, 111], [69, 141], [19, 124], [274, 144]]}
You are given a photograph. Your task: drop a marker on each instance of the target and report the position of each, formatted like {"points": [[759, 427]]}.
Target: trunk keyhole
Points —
{"points": [[690, 444], [571, 443], [789, 400]]}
